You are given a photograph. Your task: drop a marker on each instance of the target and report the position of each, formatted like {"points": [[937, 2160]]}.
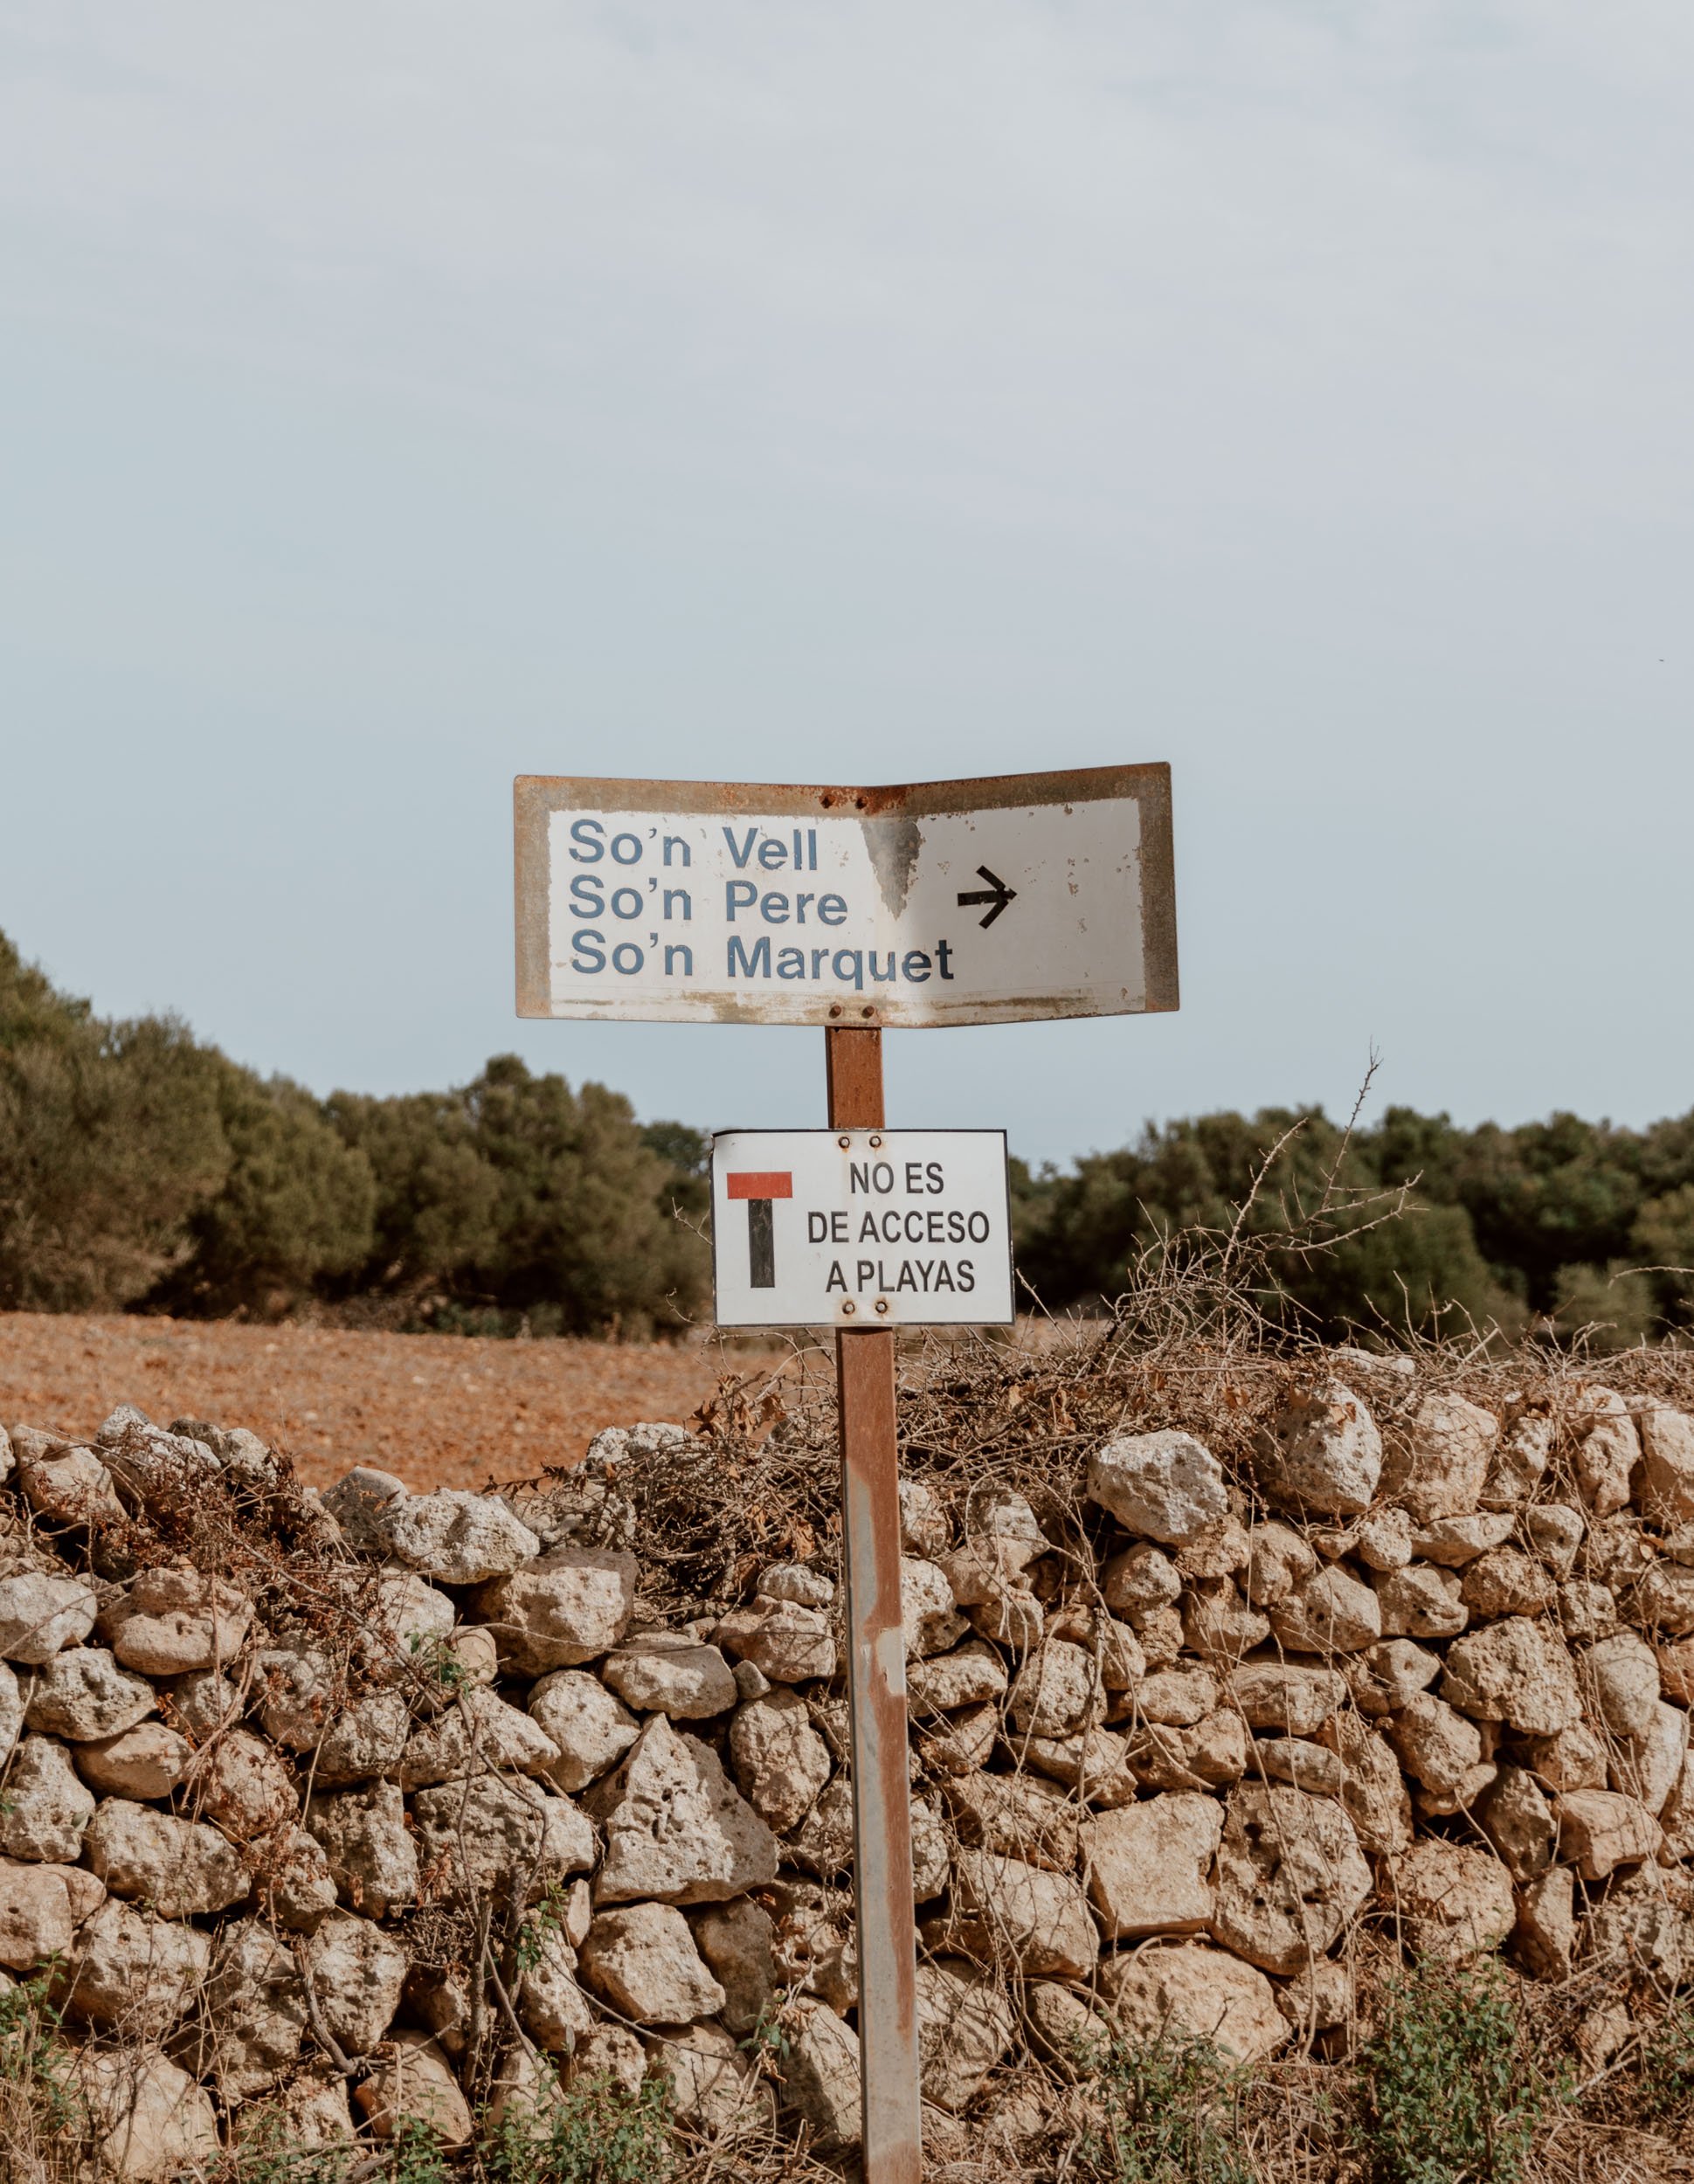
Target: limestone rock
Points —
{"points": [[1607, 1453], [1451, 1897], [931, 1621], [1518, 1462], [965, 1742], [241, 1783], [794, 1581], [711, 2086], [737, 1941], [358, 1502], [82, 1694], [1290, 1877], [34, 1915], [944, 1681], [1322, 1453], [1383, 1541], [356, 1973], [554, 2009], [675, 1830], [309, 2113], [1165, 1486], [980, 1571], [820, 2075], [1664, 1599], [172, 1622], [642, 1959], [787, 1643], [370, 1855], [1665, 1492], [39, 1615], [1444, 1465], [1277, 1560], [1573, 1760], [1149, 1865], [414, 2083], [1599, 1831], [1142, 1579], [569, 1605], [1018, 1815], [823, 1842], [1420, 1602], [152, 2122], [779, 1759], [256, 2022], [1056, 1690], [1515, 1671], [1586, 1610], [1011, 1618], [1005, 1912], [1385, 1675], [1217, 1622], [1331, 1612], [1517, 1820], [11, 1711], [135, 1973], [1637, 1925], [145, 1762], [43, 1807], [1437, 1745], [1274, 1695], [72, 1486], [923, 1521], [964, 2027], [1190, 1988], [407, 1625], [184, 1869], [366, 1737], [478, 1732], [1218, 1552], [661, 1674], [480, 1831], [1649, 1767], [294, 1885], [457, 1539], [1622, 1675], [1213, 1753], [1544, 1936], [1505, 1582], [1062, 2026], [1320, 1996], [1453, 1542], [1175, 1698], [592, 1728], [1555, 1531]]}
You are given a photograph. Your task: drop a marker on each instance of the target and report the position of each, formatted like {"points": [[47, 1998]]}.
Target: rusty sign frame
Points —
{"points": [[536, 797]]}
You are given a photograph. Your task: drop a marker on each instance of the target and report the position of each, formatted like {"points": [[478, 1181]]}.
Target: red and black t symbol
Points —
{"points": [[759, 1188]]}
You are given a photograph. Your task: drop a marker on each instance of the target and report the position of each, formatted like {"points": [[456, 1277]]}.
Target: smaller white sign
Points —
{"points": [[861, 1228]]}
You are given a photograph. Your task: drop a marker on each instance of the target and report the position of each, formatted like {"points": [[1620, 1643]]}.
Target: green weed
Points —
{"points": [[1165, 2113], [1667, 2063], [590, 2131]]}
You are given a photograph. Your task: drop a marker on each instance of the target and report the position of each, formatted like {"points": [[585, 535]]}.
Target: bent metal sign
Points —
{"points": [[946, 902]]}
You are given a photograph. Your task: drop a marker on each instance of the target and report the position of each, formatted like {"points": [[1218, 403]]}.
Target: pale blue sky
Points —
{"points": [[397, 398]]}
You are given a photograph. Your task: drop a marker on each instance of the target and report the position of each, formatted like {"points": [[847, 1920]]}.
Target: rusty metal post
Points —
{"points": [[876, 1688]]}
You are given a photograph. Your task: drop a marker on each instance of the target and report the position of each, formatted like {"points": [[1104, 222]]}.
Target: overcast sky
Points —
{"points": [[397, 398]]}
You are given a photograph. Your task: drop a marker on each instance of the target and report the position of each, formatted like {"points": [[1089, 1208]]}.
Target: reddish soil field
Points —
{"points": [[437, 1410]]}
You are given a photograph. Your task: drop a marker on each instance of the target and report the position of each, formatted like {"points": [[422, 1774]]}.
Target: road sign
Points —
{"points": [[984, 901], [849, 1228]]}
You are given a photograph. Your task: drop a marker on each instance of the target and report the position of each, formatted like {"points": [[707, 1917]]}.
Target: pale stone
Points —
{"points": [[823, 1841], [358, 1502], [1219, 1551], [1641, 1930], [457, 1539], [1149, 1865], [72, 1486], [1383, 1540], [1574, 1758], [1301, 1765], [1460, 1796], [709, 2082], [1317, 1998], [480, 1831], [1677, 1818], [1444, 1464], [1385, 1675], [83, 1694], [1505, 1582], [737, 1941], [1420, 1602], [145, 1762], [1665, 1488], [1322, 1453], [356, 1973], [1006, 1911], [656, 1674], [1011, 1618], [1555, 1532], [1001, 1512], [1056, 1690], [152, 2123], [255, 2016], [11, 1711], [1451, 1898], [1514, 1671], [591, 1727], [307, 2113], [1190, 1988], [1213, 1753], [408, 1627], [183, 1870], [370, 1855], [44, 1804], [39, 1615], [415, 2084], [982, 1569], [1290, 1877], [1649, 1767], [1331, 1612], [294, 1885], [1274, 1695], [675, 1830], [779, 1759], [34, 1915], [1062, 2026], [1217, 1622], [1096, 1763], [1277, 1560], [366, 1737], [931, 1621], [569, 1605], [1587, 1611], [820, 2068], [1018, 1815], [239, 1782], [1165, 1486], [610, 2056], [1545, 1933], [554, 2009], [172, 1622], [1518, 1462], [923, 1521], [1608, 1453], [1517, 1820], [1452, 1542], [1372, 1794], [135, 1972], [1142, 1579], [478, 1732], [964, 1743], [1176, 1698], [1599, 1831], [1676, 1671], [785, 1642], [1622, 1674], [975, 1672], [964, 2027], [1437, 1745], [642, 1959], [1664, 1599]]}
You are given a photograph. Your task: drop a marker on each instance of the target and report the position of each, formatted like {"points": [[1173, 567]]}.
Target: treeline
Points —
{"points": [[141, 1170], [1562, 1224]]}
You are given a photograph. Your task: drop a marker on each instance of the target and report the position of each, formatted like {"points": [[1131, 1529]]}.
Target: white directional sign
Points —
{"points": [[861, 1228], [948, 903]]}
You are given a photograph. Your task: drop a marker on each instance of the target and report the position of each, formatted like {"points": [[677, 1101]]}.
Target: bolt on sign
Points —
{"points": [[949, 902], [847, 1229], [988, 901]]}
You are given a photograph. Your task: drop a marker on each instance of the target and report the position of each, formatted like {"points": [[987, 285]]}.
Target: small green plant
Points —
{"points": [[1165, 2113], [270, 2154], [1667, 2063], [590, 2131], [767, 2042], [1454, 2090], [439, 1661], [415, 2155], [546, 1919], [43, 2118]]}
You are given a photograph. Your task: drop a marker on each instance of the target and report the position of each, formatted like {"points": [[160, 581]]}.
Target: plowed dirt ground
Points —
{"points": [[437, 1410]]}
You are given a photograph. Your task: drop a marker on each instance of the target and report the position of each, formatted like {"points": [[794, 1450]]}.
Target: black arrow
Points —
{"points": [[996, 892]]}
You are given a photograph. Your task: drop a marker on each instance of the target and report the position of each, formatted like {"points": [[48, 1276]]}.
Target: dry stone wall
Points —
{"points": [[329, 1811]]}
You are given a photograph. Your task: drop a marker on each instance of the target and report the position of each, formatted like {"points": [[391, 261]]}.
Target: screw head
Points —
{"points": [[835, 1008], [882, 1305], [876, 1141], [848, 1307], [867, 1012], [845, 1144]]}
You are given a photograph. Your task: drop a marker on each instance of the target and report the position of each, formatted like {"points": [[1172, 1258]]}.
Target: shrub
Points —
{"points": [[589, 2132], [1165, 2113]]}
